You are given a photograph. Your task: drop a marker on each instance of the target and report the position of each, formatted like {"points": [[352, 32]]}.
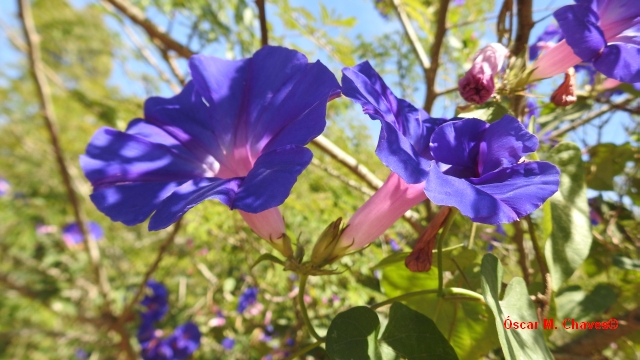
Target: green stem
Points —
{"points": [[459, 293], [472, 236], [305, 350], [445, 230], [403, 297], [303, 308]]}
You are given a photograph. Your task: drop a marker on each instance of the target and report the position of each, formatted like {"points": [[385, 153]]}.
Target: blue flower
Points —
{"points": [[549, 37], [247, 298], [605, 33], [156, 301], [228, 343], [5, 187], [72, 236], [465, 163], [236, 133]]}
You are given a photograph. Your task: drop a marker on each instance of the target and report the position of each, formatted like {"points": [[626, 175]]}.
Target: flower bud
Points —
{"points": [[477, 85], [326, 249], [565, 94]]}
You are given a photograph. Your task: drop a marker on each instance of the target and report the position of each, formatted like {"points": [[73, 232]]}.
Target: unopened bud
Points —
{"points": [[326, 249], [477, 85], [565, 94]]}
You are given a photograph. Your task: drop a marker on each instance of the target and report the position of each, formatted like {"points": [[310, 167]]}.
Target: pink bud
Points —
{"points": [[477, 85]]}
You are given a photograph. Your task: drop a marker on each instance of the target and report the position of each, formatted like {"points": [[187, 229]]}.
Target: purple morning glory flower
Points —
{"points": [[5, 187], [72, 236], [466, 163], [480, 170], [603, 32], [394, 245], [156, 301], [236, 133], [228, 343], [247, 298], [184, 340]]}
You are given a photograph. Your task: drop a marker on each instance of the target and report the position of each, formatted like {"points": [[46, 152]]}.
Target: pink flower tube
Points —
{"points": [[381, 211]]}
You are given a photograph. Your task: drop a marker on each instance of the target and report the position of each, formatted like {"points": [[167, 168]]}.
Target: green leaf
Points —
{"points": [[570, 239], [516, 306], [391, 259], [414, 336], [607, 161], [352, 335], [575, 303], [489, 112], [626, 263], [466, 325]]}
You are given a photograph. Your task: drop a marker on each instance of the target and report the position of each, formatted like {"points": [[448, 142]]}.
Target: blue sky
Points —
{"points": [[368, 22]]}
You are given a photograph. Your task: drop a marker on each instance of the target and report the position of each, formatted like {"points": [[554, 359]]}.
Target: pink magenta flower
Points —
{"points": [[477, 85]]}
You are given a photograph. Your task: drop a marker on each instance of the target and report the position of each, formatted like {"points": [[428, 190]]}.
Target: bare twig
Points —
{"points": [[545, 299], [149, 57], [264, 34], [173, 65], [412, 35], [126, 313], [48, 115], [576, 124], [137, 16], [525, 24], [518, 239], [441, 30], [348, 161], [593, 342]]}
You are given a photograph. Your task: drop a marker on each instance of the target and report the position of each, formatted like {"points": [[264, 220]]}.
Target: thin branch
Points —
{"points": [[264, 34], [173, 65], [412, 35], [545, 299], [334, 151], [593, 342], [441, 30], [576, 124], [518, 239], [126, 313], [48, 115], [146, 54], [525, 24], [137, 16]]}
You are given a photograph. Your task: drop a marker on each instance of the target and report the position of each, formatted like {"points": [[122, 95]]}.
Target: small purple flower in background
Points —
{"points": [[594, 214], [549, 37], [602, 32], [218, 321], [42, 229], [156, 301], [72, 236], [5, 187], [228, 343], [459, 2], [81, 354], [236, 133], [247, 298], [477, 85], [394, 245], [533, 111], [184, 340]]}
